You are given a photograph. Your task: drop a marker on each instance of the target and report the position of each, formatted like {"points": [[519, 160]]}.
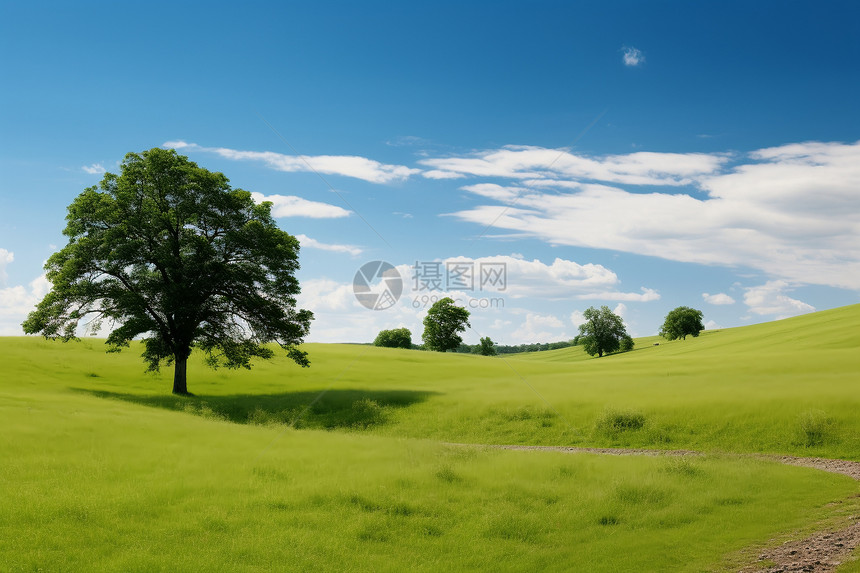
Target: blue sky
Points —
{"points": [[638, 155]]}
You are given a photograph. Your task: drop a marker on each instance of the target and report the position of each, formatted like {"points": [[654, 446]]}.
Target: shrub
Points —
{"points": [[395, 338]]}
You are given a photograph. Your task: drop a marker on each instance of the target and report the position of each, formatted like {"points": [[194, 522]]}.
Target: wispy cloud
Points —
{"points": [[647, 295], [346, 165], [442, 174], [540, 166], [314, 244], [292, 206], [791, 211], [407, 141], [718, 299], [94, 169], [632, 56]]}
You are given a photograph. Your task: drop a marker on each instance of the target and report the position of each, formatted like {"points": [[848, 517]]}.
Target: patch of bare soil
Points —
{"points": [[606, 451], [821, 552], [846, 467]]}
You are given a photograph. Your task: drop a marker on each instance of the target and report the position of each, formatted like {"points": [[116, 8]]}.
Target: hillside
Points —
{"points": [[104, 470]]}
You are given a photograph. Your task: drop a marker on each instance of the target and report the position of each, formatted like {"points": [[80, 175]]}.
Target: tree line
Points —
{"points": [[603, 332]]}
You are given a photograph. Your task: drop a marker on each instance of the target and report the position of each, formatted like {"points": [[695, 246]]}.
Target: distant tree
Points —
{"points": [[442, 324], [626, 344], [602, 332], [681, 322], [168, 253], [394, 338], [487, 347]]}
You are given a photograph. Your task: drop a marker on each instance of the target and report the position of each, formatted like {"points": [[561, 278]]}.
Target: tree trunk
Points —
{"points": [[179, 381]]}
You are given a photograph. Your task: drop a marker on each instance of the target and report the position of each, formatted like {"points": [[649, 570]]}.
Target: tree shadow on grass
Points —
{"points": [[334, 409]]}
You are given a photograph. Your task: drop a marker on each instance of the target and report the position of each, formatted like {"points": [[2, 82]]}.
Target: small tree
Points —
{"points": [[487, 347], [169, 254], [681, 322], [602, 332], [442, 324], [394, 338], [626, 344]]}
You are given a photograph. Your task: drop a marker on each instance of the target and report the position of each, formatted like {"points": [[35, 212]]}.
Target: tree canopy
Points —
{"points": [[487, 347], [682, 321], [394, 338], [442, 324], [603, 332], [168, 252]]}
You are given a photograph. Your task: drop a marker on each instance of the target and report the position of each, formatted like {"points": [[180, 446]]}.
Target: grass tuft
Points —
{"points": [[447, 474], [608, 520], [682, 466], [815, 428], [612, 422]]}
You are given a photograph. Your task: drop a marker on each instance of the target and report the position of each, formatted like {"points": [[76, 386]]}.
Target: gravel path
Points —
{"points": [[823, 551]]}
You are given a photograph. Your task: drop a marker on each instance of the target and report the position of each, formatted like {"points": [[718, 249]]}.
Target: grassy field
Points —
{"points": [[103, 469]]}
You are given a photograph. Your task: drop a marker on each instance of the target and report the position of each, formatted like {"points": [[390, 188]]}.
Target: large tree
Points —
{"points": [[602, 332], [442, 325], [169, 253], [682, 321]]}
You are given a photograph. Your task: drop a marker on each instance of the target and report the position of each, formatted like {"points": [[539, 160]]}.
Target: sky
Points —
{"points": [[528, 159]]}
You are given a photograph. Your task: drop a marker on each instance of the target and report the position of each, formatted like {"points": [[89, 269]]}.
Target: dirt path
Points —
{"points": [[824, 551]]}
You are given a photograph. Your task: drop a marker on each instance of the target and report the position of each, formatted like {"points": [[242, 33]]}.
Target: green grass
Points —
{"points": [[103, 469]]}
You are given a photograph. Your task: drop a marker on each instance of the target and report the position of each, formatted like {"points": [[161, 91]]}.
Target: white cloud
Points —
{"points": [[17, 302], [620, 309], [577, 318], [6, 257], [543, 167], [770, 299], [647, 295], [339, 317], [537, 328], [326, 295], [791, 211], [292, 206], [440, 174], [711, 325], [633, 57], [314, 244], [719, 298], [519, 278], [346, 165], [94, 169]]}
